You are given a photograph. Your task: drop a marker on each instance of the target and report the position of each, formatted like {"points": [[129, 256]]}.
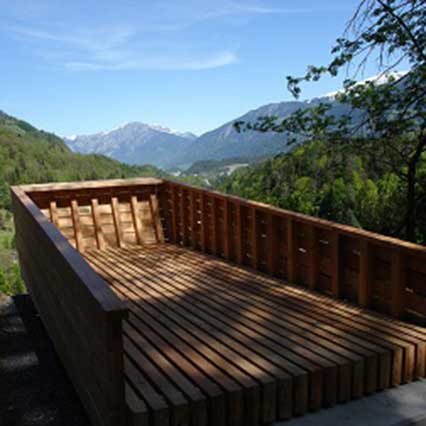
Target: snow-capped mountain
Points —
{"points": [[138, 143], [135, 143]]}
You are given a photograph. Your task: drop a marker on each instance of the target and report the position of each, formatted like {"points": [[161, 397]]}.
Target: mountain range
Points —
{"points": [[140, 143]]}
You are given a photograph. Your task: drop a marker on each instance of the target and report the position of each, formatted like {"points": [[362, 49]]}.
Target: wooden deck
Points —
{"points": [[183, 315], [208, 342]]}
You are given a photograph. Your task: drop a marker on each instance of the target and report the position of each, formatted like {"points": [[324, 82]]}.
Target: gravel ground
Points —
{"points": [[34, 390]]}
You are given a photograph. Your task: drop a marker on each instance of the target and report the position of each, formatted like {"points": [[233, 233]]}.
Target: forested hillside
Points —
{"points": [[28, 155], [344, 186]]}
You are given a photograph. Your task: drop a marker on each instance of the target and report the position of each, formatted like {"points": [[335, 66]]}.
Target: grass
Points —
{"points": [[11, 282]]}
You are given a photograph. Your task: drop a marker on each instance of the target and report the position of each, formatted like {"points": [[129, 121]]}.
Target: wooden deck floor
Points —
{"points": [[211, 343]]}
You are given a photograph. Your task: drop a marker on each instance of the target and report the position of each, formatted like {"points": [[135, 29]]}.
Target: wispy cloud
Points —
{"points": [[122, 42], [159, 63]]}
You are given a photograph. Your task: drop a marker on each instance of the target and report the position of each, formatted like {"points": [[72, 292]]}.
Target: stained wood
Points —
{"points": [[76, 225]]}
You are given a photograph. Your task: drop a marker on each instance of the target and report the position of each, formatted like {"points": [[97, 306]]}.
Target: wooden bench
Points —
{"points": [[171, 305]]}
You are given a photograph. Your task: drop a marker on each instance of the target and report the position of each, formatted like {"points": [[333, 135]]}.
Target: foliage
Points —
{"points": [[346, 187], [28, 155], [391, 114]]}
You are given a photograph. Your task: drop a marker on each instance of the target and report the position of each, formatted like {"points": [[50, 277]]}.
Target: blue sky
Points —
{"points": [[82, 66]]}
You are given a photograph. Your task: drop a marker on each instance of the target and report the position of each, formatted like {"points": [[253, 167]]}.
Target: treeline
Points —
{"points": [[28, 155], [342, 186]]}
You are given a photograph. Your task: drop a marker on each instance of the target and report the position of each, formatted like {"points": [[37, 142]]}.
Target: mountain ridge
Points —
{"points": [[165, 148]]}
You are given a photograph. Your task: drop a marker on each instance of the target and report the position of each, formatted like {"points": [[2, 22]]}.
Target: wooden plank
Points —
{"points": [[398, 284], [100, 240], [335, 264], [192, 217], [227, 231], [254, 239], [364, 283], [183, 225], [291, 263], [136, 219], [238, 234], [53, 213], [77, 227], [175, 231], [117, 223], [258, 324], [313, 258], [272, 235], [213, 217], [203, 224]]}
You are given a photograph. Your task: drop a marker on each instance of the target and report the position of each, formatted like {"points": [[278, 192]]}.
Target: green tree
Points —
{"points": [[390, 120]]}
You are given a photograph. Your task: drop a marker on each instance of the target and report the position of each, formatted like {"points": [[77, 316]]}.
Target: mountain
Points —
{"points": [[135, 143], [138, 143], [29, 155]]}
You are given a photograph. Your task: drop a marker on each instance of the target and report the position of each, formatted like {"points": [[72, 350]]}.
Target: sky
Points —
{"points": [[84, 66]]}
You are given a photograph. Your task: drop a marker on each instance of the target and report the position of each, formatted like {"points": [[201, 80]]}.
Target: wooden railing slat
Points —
{"points": [[398, 284], [335, 264], [117, 223], [136, 219], [291, 267], [100, 240], [364, 283], [77, 226]]}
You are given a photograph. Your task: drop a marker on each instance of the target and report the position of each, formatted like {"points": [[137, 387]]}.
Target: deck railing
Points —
{"points": [[377, 272]]}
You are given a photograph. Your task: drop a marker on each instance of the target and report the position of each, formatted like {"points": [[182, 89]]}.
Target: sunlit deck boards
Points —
{"points": [[211, 343]]}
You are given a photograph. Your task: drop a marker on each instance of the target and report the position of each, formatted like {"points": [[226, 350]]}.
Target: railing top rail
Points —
{"points": [[346, 230], [94, 184]]}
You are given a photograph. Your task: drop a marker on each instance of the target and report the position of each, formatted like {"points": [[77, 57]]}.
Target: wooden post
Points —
{"points": [[77, 227], [203, 225], [238, 234], [213, 216], [271, 244], [254, 239], [53, 213], [335, 264], [192, 216], [183, 222], [100, 240], [398, 283], [175, 233], [136, 219], [291, 266], [226, 230], [117, 224], [312, 250], [156, 219], [364, 290]]}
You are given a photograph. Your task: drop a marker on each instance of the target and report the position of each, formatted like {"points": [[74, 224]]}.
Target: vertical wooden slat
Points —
{"points": [[398, 283], [291, 266], [254, 235], [213, 236], [53, 213], [156, 220], [226, 230], [312, 248], [203, 224], [238, 234], [335, 263], [364, 289], [136, 219], [192, 217], [271, 244], [100, 240], [175, 233], [182, 218], [117, 223], [77, 226]]}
